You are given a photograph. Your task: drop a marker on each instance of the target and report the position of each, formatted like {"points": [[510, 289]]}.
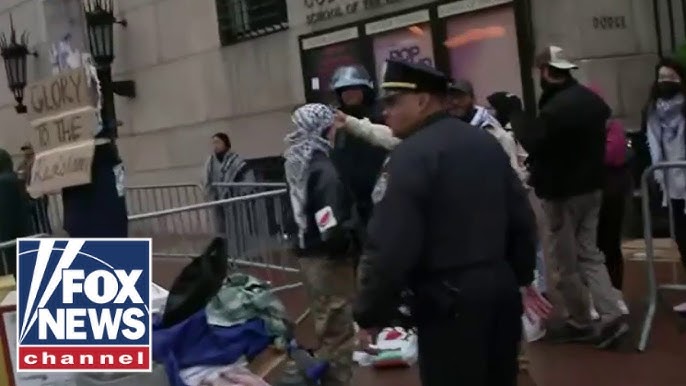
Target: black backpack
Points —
{"points": [[197, 283]]}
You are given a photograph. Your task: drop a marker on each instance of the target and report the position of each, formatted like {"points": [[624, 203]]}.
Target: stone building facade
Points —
{"points": [[240, 66]]}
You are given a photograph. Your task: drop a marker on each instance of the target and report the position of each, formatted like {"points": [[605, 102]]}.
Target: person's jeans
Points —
{"points": [[573, 224]]}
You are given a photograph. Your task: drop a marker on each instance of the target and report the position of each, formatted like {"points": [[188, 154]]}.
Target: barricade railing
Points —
{"points": [[254, 227], [237, 189], [48, 213], [8, 255], [654, 289]]}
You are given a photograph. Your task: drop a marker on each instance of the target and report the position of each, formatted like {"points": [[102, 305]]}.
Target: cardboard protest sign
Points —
{"points": [[63, 117], [62, 167]]}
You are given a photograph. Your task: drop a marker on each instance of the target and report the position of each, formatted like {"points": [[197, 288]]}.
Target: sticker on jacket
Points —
{"points": [[325, 219]]}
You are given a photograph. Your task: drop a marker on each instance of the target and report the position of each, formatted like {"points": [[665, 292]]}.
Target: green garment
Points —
{"points": [[243, 297]]}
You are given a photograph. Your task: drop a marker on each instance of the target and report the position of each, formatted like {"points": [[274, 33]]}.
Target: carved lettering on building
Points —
{"points": [[324, 10], [609, 22]]}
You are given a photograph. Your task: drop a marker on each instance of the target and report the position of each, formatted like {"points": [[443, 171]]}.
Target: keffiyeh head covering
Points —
{"points": [[311, 122]]}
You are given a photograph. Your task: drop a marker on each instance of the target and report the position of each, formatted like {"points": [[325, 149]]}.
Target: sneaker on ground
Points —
{"points": [[612, 333], [681, 309], [623, 307], [568, 333], [594, 313]]}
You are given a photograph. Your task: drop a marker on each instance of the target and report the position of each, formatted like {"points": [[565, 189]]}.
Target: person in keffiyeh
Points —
{"points": [[327, 236]]}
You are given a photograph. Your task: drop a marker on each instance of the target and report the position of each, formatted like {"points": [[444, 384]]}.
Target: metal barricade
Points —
{"points": [[654, 288], [8, 255], [48, 212], [254, 227], [236, 189]]}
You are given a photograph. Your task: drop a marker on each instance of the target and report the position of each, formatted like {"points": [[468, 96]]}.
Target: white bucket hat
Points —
{"points": [[554, 56]]}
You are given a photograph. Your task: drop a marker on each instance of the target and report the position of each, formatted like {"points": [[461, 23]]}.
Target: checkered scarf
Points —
{"points": [[311, 122]]}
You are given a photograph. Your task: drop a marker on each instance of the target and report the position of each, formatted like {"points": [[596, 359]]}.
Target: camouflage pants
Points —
{"points": [[331, 287]]}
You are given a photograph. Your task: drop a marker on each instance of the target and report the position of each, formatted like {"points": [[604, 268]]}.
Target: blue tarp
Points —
{"points": [[193, 342]]}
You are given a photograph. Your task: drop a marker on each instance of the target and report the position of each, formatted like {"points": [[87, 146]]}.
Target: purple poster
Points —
{"points": [[483, 49], [411, 44]]}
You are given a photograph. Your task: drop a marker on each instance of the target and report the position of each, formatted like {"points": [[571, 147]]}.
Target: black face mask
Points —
{"points": [[545, 85], [668, 89]]}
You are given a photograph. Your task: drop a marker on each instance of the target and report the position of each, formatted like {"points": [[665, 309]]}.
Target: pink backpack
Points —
{"points": [[615, 147]]}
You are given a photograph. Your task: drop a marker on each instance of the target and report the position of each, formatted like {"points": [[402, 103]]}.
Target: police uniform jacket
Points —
{"points": [[452, 203], [331, 218]]}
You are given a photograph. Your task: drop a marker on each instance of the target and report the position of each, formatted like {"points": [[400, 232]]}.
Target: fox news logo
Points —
{"points": [[83, 305]]}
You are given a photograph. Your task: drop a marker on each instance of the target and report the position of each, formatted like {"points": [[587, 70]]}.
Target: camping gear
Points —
{"points": [[197, 283], [395, 347], [242, 298]]}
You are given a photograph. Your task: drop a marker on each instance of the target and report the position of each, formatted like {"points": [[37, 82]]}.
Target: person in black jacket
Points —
{"points": [[15, 214], [454, 226], [357, 161], [566, 147], [327, 240]]}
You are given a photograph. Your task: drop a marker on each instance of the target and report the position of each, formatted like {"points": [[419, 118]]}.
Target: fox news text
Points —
{"points": [[83, 305]]}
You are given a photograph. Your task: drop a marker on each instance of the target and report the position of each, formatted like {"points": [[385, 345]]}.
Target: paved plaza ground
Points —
{"points": [[663, 364]]}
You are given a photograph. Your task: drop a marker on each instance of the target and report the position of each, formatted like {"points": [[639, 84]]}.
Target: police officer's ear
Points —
{"points": [[423, 100]]}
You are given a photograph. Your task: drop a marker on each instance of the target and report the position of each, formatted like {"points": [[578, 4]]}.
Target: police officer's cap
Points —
{"points": [[411, 77], [461, 86]]}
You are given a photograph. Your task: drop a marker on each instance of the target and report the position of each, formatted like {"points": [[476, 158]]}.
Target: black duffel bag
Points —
{"points": [[197, 284]]}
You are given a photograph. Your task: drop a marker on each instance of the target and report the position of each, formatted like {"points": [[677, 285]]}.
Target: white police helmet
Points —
{"points": [[350, 76]]}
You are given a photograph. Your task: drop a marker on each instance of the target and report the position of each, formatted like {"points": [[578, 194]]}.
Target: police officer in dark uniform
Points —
{"points": [[453, 225]]}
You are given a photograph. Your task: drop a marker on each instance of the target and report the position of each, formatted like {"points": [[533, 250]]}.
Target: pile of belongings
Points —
{"points": [[213, 319], [394, 347]]}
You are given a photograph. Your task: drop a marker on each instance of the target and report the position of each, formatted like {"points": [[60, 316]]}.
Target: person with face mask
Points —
{"points": [[357, 161], [566, 147], [464, 242], [328, 240], [224, 166], [665, 126]]}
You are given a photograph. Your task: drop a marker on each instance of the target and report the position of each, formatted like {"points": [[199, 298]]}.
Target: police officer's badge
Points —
{"points": [[380, 188]]}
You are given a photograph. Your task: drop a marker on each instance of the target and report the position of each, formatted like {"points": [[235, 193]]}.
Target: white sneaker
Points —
{"points": [[592, 310], [594, 313], [533, 329], [681, 308], [623, 307]]}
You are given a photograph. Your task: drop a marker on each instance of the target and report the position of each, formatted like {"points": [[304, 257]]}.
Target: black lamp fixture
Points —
{"points": [[100, 21], [14, 55]]}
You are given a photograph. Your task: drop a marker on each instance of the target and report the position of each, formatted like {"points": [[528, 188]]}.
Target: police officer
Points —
{"points": [[357, 161], [453, 224], [327, 236]]}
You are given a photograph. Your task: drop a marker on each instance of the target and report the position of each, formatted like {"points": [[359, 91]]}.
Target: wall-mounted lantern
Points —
{"points": [[14, 52]]}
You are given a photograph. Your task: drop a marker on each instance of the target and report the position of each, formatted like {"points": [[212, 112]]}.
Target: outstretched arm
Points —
{"points": [[379, 135]]}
